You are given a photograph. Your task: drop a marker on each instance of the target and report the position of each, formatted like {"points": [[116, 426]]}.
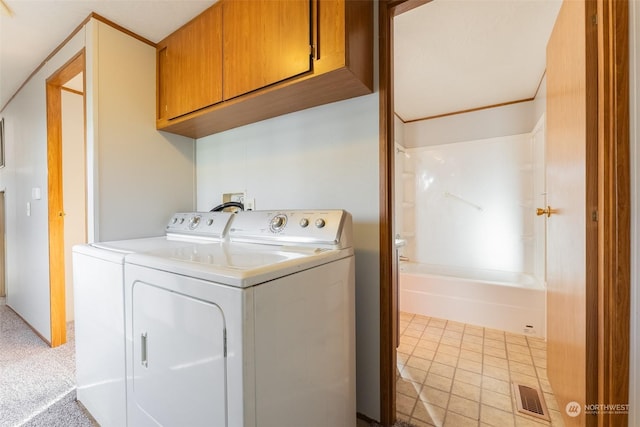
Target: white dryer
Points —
{"points": [[98, 271], [259, 331]]}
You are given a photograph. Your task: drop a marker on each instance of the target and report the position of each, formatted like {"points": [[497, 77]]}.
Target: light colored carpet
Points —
{"points": [[34, 378]]}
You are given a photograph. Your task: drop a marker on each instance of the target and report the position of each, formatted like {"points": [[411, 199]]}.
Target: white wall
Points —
{"points": [[141, 176], [26, 168], [73, 185], [474, 204], [513, 119], [325, 157], [137, 176]]}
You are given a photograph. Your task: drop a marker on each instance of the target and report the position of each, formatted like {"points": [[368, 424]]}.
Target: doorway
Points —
{"points": [[66, 185], [612, 257]]}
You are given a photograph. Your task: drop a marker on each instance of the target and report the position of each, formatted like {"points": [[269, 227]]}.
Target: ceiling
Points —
{"points": [[450, 55], [37, 27], [457, 55]]}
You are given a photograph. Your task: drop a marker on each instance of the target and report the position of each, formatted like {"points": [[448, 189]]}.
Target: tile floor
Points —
{"points": [[458, 375]]}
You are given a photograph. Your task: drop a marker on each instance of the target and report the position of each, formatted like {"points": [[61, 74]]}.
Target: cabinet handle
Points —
{"points": [[143, 349], [315, 23]]}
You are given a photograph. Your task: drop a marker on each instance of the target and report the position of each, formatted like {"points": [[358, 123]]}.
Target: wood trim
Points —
{"points": [[388, 305], [387, 9], [614, 199], [77, 92], [470, 110], [55, 197], [65, 41]]}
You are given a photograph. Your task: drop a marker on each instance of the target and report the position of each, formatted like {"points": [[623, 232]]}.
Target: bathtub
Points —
{"points": [[512, 302]]}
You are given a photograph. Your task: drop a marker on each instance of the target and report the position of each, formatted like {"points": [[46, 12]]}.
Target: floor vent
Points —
{"points": [[530, 401]]}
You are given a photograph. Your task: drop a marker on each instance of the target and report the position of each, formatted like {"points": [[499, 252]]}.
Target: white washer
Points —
{"points": [[256, 332], [98, 271]]}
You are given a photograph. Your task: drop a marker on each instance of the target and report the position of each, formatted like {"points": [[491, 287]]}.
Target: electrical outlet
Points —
{"points": [[529, 330], [233, 197], [249, 204]]}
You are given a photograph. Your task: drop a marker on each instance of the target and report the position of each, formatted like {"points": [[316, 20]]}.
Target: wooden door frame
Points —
{"points": [[57, 290], [612, 295]]}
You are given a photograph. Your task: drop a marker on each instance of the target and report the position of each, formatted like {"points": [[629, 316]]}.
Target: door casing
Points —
{"points": [[612, 185]]}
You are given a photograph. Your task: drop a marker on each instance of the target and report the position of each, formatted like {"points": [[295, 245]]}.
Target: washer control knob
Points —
{"points": [[304, 222], [181, 220], [194, 222], [277, 223], [320, 223], [210, 221], [174, 220]]}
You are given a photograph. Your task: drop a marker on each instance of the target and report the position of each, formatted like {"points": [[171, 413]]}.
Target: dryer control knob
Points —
{"points": [[210, 221], [277, 223], [320, 223], [304, 222]]}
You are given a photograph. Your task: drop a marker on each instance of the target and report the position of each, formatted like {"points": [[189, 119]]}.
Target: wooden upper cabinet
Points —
{"points": [[190, 66], [264, 42], [266, 58]]}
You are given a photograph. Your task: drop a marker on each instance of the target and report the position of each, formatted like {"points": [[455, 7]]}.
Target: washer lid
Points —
{"points": [[236, 264]]}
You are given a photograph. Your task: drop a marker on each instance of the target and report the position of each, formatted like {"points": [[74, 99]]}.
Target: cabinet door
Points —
{"points": [[265, 42], [178, 371], [190, 66]]}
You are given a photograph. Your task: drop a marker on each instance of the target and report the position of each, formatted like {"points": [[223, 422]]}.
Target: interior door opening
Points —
{"points": [[66, 166]]}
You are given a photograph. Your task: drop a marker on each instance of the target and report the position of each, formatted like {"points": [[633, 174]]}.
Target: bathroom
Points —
{"points": [[469, 163]]}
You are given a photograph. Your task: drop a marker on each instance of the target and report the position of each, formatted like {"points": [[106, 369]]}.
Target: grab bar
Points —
{"points": [[460, 199]]}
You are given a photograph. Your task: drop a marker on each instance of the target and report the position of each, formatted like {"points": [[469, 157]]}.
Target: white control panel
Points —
{"points": [[200, 224], [319, 228]]}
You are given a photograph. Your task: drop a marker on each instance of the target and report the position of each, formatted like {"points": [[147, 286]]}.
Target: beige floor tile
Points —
{"points": [[470, 365], [496, 385], [400, 417], [494, 334], [496, 417], [516, 339], [455, 420], [418, 362], [418, 423], [450, 341], [478, 339], [522, 368], [421, 319], [537, 343], [526, 421], [413, 374], [441, 323], [466, 390], [556, 418], [519, 357], [429, 413], [466, 407], [408, 388], [434, 396], [414, 333], [495, 372], [428, 344], [497, 400], [461, 374], [474, 330], [406, 348], [471, 355], [468, 377], [550, 400], [442, 369], [499, 362], [404, 404], [424, 353], [448, 349], [517, 348], [527, 380], [496, 352], [473, 346], [447, 359], [439, 382]]}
